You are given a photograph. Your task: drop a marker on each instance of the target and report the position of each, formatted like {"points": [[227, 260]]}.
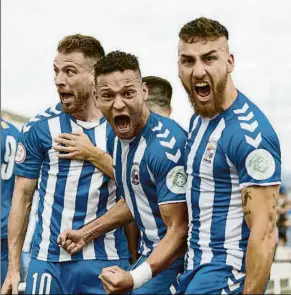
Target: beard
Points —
{"points": [[79, 102], [215, 105]]}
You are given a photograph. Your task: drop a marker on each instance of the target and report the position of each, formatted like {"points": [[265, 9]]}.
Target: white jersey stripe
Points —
{"points": [[206, 198], [142, 201], [55, 129], [125, 150], [233, 227], [109, 240], [94, 192], [190, 262], [70, 195]]}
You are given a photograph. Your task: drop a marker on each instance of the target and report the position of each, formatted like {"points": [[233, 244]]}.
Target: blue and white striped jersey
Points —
{"points": [[150, 171], [9, 137], [236, 149], [72, 193]]}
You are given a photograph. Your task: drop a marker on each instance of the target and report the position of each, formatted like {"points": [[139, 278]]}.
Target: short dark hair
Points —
{"points": [[202, 28], [160, 91], [89, 46], [116, 61]]}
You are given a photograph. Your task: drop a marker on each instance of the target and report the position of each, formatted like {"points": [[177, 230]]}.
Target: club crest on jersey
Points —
{"points": [[135, 174], [209, 152]]}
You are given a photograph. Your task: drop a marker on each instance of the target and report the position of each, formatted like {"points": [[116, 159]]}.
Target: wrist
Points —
{"points": [[141, 275], [94, 154]]}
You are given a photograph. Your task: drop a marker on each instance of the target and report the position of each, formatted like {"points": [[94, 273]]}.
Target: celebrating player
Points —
{"points": [[71, 193], [9, 137], [149, 170], [233, 168]]}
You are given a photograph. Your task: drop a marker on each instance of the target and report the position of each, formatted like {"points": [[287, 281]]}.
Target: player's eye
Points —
{"points": [[70, 72], [187, 61], [211, 58], [129, 94]]}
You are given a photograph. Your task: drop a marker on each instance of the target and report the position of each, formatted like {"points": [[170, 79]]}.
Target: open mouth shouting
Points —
{"points": [[66, 97], [202, 90], [122, 125]]}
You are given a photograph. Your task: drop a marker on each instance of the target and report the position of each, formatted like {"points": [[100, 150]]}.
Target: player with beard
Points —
{"points": [[233, 167], [71, 193]]}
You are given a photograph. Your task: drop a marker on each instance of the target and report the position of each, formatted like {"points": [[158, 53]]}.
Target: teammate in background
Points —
{"points": [[149, 170], [233, 168], [72, 193], [160, 95], [9, 138]]}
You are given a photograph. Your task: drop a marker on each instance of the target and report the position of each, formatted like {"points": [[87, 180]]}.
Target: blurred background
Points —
{"points": [[260, 39]]}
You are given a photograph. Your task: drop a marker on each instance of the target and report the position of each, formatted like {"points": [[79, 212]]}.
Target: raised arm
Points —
{"points": [[17, 225], [259, 205]]}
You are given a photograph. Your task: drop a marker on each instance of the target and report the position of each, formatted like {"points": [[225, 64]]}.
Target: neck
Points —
{"points": [[89, 112], [144, 118], [230, 94]]}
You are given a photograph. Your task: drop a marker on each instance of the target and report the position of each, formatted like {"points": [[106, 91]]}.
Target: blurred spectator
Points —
{"points": [[283, 251]]}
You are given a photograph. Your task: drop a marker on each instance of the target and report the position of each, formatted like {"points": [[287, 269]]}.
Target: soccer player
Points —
{"points": [[9, 137], [158, 101], [149, 170], [233, 168], [160, 95], [71, 193]]}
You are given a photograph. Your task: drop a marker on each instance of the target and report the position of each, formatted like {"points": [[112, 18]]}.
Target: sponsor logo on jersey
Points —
{"points": [[135, 174], [20, 153], [176, 180], [260, 164]]}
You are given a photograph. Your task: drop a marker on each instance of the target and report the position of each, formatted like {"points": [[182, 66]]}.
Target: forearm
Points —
{"points": [[259, 258], [17, 227], [102, 161], [168, 250], [132, 235], [116, 217]]}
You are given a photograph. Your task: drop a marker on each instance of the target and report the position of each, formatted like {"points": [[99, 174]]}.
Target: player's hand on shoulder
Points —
{"points": [[76, 145], [10, 285], [71, 241], [116, 280]]}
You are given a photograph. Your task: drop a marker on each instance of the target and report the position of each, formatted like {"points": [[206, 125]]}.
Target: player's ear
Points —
{"points": [[145, 91], [230, 63]]}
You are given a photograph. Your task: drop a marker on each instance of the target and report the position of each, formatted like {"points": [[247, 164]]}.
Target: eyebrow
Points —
{"points": [[202, 55], [106, 88]]}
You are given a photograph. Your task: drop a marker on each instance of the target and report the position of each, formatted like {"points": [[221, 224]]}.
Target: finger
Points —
{"points": [[75, 250], [70, 155], [67, 136], [62, 237], [65, 141], [77, 133], [65, 149], [71, 247], [106, 286], [106, 283], [67, 244]]}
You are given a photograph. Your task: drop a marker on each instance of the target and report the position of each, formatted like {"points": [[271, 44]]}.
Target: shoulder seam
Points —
{"points": [[43, 117]]}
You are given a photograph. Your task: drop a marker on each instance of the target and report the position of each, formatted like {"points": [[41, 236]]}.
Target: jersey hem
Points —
{"points": [[87, 258], [169, 202], [247, 184]]}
